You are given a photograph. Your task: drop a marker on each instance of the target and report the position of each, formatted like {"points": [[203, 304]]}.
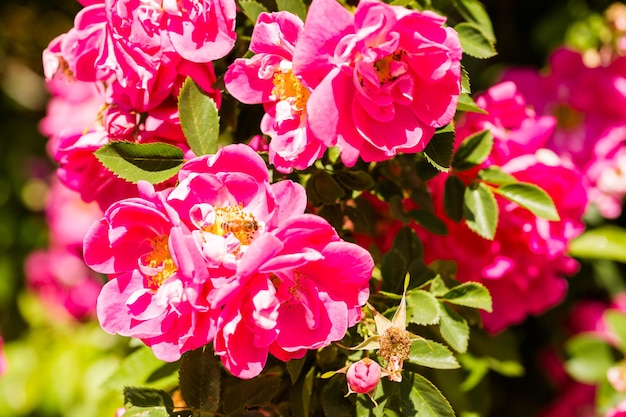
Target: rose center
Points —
{"points": [[235, 220], [288, 87], [160, 259], [391, 67]]}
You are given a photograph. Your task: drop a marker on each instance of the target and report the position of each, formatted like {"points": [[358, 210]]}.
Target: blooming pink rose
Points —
{"points": [[226, 255], [268, 78], [75, 53], [591, 123], [303, 288], [363, 376], [148, 40], [374, 70], [523, 266]]}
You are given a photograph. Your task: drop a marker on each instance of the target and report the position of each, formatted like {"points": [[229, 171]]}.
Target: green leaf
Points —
{"points": [[453, 198], [466, 87], [419, 397], [439, 150], [300, 393], [605, 242], [296, 7], [393, 269], [147, 397], [473, 151], [437, 287], [454, 329], [294, 367], [152, 162], [474, 41], [616, 321], [467, 104], [433, 355], [423, 307], [146, 412], [408, 244], [590, 358], [473, 11], [198, 119], [470, 294], [134, 370], [355, 180], [333, 398], [325, 187], [532, 198], [200, 378], [476, 368], [429, 221], [239, 395], [252, 9], [481, 210], [494, 175]]}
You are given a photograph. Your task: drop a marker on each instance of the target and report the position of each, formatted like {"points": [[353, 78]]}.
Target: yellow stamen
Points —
{"points": [[160, 258], [287, 86], [233, 219]]}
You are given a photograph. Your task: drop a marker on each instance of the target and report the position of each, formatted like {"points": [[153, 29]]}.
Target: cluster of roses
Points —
{"points": [[218, 253]]}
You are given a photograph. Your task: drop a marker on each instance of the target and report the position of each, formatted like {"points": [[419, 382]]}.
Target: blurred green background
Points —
{"points": [[60, 368]]}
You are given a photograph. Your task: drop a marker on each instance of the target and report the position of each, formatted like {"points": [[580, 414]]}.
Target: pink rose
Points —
{"points": [[268, 78], [371, 73], [363, 376], [524, 265], [591, 123], [226, 256]]}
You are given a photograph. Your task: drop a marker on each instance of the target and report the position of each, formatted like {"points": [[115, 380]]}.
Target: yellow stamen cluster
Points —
{"points": [[160, 258], [287, 86], [233, 219], [383, 67]]}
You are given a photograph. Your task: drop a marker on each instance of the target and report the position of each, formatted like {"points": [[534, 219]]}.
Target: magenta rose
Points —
{"points": [[383, 78]]}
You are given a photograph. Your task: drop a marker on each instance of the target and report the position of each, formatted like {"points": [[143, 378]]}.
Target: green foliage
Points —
{"points": [[473, 151], [252, 9], [198, 119], [440, 148], [153, 162], [433, 355], [454, 328], [530, 197], [480, 210], [474, 41], [199, 378], [296, 7], [470, 294], [420, 397], [604, 242], [422, 307], [589, 358], [467, 104], [454, 198]]}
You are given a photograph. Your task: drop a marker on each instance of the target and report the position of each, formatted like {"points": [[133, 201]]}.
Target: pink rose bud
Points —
{"points": [[363, 376]]}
